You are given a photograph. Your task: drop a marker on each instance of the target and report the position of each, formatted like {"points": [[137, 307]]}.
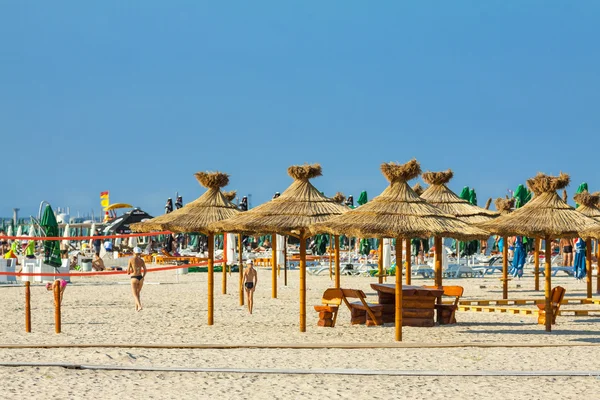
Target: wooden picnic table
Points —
{"points": [[418, 303]]}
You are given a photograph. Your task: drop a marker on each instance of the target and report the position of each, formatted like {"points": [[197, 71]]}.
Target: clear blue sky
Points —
{"points": [[134, 97]]}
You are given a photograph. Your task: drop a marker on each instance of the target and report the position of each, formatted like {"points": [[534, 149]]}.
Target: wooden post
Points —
{"points": [[56, 289], [224, 280], [27, 307], [398, 319], [302, 282], [241, 268], [437, 241], [337, 261], [598, 266], [408, 259], [285, 260], [380, 261], [274, 266], [588, 267], [211, 278], [548, 286], [536, 263], [505, 268], [330, 260]]}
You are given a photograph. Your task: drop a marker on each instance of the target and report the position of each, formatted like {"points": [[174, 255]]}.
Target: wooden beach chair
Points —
{"points": [[556, 297], [331, 301], [446, 312], [362, 312]]}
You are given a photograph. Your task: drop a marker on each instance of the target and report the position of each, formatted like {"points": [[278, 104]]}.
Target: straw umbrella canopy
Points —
{"points": [[588, 206], [546, 216], [292, 213], [399, 212], [198, 216]]}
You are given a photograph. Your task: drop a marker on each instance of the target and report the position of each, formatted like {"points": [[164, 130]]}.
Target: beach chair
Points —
{"points": [[317, 269], [362, 312], [556, 297], [446, 312], [331, 301]]}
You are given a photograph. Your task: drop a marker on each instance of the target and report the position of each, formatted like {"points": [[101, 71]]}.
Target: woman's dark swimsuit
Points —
{"points": [[249, 285], [138, 277], [567, 249]]}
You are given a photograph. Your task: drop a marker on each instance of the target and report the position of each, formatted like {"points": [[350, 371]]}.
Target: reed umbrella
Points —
{"points": [[546, 216], [399, 212], [588, 206], [198, 216], [504, 207], [292, 213]]}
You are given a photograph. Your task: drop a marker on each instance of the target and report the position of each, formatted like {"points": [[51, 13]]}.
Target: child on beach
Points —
{"points": [[137, 269], [62, 284], [250, 279]]}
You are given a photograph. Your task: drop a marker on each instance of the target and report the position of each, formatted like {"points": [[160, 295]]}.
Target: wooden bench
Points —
{"points": [[362, 312], [556, 298], [446, 312], [332, 299]]}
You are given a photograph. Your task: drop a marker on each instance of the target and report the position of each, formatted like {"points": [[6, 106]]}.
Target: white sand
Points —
{"points": [[101, 310]]}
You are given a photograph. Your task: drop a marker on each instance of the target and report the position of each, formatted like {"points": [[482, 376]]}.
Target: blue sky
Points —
{"points": [[134, 97]]}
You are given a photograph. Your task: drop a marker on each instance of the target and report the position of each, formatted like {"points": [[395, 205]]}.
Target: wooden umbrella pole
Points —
{"points": [[241, 269], [438, 261], [536, 263], [27, 307], [302, 282], [398, 319], [330, 260], [285, 260], [274, 266], [408, 259], [337, 261], [505, 268], [211, 277], [380, 261], [548, 286], [56, 289], [598, 267], [588, 267], [224, 278]]}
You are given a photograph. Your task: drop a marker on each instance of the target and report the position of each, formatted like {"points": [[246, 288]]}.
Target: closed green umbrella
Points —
{"points": [[469, 248], [582, 188], [51, 247], [522, 196], [472, 197]]}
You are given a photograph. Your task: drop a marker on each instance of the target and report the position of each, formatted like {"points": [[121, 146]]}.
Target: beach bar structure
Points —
{"points": [[292, 213], [547, 217], [198, 217], [399, 212]]}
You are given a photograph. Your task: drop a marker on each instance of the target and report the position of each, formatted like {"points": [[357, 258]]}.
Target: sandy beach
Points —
{"points": [[100, 310]]}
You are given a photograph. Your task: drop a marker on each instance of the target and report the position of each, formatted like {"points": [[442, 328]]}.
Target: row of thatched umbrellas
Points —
{"points": [[398, 212]]}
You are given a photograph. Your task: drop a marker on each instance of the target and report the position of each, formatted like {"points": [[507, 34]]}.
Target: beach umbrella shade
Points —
{"points": [[588, 206], [67, 233], [579, 260], [198, 217], [546, 216], [292, 213], [9, 231], [20, 230], [398, 212], [522, 196], [51, 247]]}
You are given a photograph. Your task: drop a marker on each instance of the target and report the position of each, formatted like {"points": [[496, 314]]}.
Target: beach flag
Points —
{"points": [[104, 199]]}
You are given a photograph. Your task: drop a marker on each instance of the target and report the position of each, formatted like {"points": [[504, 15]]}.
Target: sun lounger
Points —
{"points": [[424, 270], [457, 270], [555, 270]]}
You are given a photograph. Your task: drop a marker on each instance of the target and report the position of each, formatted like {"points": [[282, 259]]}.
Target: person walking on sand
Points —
{"points": [[62, 286], [250, 280], [137, 269]]}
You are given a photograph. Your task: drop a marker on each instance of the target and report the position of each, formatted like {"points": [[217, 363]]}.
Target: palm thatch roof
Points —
{"points": [[196, 216], [418, 189], [588, 204], [440, 196], [299, 206], [339, 197], [504, 206], [545, 216], [399, 211]]}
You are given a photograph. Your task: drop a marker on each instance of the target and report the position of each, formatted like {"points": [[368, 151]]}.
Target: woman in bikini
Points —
{"points": [[137, 269], [62, 285], [250, 280]]}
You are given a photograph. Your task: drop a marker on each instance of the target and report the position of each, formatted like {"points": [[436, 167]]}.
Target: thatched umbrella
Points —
{"points": [[504, 207], [546, 216], [197, 216], [588, 206], [399, 212], [292, 213]]}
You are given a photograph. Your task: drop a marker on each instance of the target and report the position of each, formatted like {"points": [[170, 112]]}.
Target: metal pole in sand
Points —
{"points": [[27, 307], [211, 277], [398, 319]]}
